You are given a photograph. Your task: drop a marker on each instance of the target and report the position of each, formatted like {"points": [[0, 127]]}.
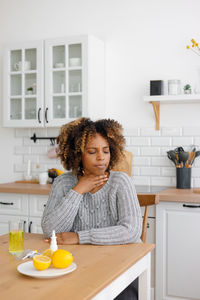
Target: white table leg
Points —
{"points": [[145, 281]]}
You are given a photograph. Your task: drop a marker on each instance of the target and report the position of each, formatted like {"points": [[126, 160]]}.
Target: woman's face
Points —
{"points": [[96, 156]]}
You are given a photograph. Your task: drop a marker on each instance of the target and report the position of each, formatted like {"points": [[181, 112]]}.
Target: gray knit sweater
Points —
{"points": [[110, 216]]}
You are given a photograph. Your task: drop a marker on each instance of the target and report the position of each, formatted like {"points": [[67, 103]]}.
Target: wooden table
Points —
{"points": [[102, 272]]}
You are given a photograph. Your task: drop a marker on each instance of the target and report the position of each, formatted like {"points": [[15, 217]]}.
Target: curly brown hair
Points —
{"points": [[74, 136]]}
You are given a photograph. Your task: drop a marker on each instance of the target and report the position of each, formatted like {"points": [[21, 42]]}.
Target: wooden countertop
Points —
{"points": [[38, 189], [169, 194], [25, 188], [179, 195], [97, 266]]}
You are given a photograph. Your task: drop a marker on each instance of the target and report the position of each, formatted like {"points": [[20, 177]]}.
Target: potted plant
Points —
{"points": [[187, 89], [30, 90]]}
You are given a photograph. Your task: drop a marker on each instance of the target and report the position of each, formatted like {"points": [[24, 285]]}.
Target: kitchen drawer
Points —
{"points": [[13, 204], [37, 204]]}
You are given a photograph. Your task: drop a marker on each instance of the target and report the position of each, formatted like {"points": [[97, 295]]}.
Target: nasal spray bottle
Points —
{"points": [[53, 245]]}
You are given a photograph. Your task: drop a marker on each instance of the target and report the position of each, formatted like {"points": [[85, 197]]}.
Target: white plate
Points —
{"points": [[28, 269]]}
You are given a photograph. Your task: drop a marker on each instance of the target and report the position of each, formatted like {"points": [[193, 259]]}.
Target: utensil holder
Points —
{"points": [[183, 178]]}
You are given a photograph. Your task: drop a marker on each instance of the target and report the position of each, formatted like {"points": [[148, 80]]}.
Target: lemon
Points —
{"points": [[41, 262], [48, 252], [61, 259]]}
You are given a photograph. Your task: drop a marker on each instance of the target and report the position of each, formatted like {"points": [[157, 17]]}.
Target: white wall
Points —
{"points": [[144, 40]]}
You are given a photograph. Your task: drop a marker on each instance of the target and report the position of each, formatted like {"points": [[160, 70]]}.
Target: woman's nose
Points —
{"points": [[100, 156]]}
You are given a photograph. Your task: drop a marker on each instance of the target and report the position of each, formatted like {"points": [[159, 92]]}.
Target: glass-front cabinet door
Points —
{"points": [[52, 82], [64, 70], [23, 85]]}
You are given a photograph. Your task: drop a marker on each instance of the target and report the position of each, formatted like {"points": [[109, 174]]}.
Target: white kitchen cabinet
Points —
{"points": [[23, 85], [177, 251], [28, 208], [73, 69], [74, 79]]}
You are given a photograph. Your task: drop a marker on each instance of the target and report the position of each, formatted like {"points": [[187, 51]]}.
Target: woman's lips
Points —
{"points": [[100, 166]]}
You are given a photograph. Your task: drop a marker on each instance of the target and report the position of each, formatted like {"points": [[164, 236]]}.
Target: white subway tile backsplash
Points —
{"points": [[136, 171], [192, 131], [140, 141], [196, 183], [134, 150], [160, 161], [128, 140], [39, 150], [161, 141], [150, 151], [44, 159], [171, 131], [182, 141], [196, 172], [197, 141], [149, 132], [29, 142], [132, 131], [165, 171], [161, 181], [141, 180], [163, 150], [22, 150], [32, 158], [19, 168], [151, 165], [141, 161], [150, 171]]}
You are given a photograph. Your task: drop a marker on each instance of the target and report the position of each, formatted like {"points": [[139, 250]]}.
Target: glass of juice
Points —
{"points": [[16, 237]]}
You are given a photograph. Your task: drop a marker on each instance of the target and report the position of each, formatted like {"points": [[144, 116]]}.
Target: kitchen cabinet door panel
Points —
{"points": [[183, 259], [35, 225], [37, 205], [23, 84], [13, 204], [177, 252]]}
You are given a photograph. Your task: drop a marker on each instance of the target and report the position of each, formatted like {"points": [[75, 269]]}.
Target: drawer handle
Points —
{"points": [[46, 111], [7, 203], [39, 110], [191, 206], [24, 225], [29, 228]]}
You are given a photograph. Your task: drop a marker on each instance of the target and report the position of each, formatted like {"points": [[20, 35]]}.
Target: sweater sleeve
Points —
{"points": [[129, 224], [61, 208]]}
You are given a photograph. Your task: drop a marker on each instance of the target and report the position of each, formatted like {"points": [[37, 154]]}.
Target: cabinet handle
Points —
{"points": [[46, 110], [39, 110], [7, 203], [191, 206], [29, 228], [24, 225], [45, 205]]}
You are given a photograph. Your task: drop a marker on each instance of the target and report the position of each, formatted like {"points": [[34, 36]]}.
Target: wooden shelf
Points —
{"points": [[156, 100]]}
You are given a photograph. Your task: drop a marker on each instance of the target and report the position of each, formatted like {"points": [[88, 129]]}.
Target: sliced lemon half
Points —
{"points": [[41, 262]]}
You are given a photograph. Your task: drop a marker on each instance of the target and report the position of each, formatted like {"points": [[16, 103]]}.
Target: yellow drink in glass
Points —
{"points": [[16, 237]]}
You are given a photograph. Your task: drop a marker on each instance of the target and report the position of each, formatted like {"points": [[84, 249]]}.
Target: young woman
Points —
{"points": [[92, 204]]}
